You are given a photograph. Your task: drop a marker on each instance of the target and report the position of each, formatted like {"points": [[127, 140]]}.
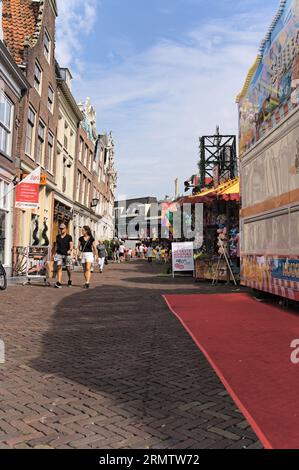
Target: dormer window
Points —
{"points": [[47, 46]]}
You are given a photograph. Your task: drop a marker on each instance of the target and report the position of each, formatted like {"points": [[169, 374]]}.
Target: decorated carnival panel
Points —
{"points": [[277, 275], [274, 79], [274, 171], [277, 234]]}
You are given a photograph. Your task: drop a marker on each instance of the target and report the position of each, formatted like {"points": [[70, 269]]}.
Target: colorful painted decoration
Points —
{"points": [[272, 86]]}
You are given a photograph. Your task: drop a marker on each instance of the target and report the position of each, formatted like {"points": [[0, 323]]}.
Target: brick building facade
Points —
{"points": [[54, 132], [29, 33], [13, 87]]}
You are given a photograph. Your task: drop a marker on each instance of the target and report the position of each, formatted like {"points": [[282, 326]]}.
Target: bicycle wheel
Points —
{"points": [[3, 280]]}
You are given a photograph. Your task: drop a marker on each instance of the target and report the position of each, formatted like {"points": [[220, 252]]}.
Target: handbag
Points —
{"points": [[80, 256]]}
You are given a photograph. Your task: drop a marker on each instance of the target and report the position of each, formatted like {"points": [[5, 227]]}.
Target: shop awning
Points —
{"points": [[232, 192], [229, 191]]}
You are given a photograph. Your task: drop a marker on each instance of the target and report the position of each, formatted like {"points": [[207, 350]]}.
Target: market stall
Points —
{"points": [[221, 220]]}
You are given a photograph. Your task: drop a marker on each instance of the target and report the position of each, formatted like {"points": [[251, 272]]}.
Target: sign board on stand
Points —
{"points": [[37, 260], [182, 257]]}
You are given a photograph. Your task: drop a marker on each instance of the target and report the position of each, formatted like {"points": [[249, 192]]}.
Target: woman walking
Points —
{"points": [[88, 249]]}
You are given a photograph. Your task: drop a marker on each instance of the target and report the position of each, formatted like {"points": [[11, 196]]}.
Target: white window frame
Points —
{"points": [[78, 189], [41, 158], [47, 52], [38, 80], [81, 149], [7, 129], [51, 103], [33, 127], [51, 165]]}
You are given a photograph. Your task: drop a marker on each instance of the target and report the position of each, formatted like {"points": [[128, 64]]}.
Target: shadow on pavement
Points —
{"points": [[124, 345]]}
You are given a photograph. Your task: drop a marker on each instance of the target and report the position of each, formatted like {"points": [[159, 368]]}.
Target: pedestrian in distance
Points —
{"points": [[129, 254], [158, 255], [122, 252], [102, 254], [88, 253], [62, 252], [141, 251], [115, 254], [150, 254]]}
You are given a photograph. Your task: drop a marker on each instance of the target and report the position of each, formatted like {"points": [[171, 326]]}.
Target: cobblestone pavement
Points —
{"points": [[110, 368]]}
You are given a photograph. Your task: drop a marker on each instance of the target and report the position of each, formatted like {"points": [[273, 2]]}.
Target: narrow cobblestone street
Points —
{"points": [[110, 368]]}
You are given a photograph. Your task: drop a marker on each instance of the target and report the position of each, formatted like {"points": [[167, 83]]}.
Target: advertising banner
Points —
{"points": [[27, 191], [182, 257]]}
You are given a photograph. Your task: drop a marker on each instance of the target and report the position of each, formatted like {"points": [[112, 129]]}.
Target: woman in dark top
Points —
{"points": [[87, 247]]}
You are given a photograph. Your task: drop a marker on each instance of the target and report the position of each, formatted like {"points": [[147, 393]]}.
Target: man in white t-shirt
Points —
{"points": [[122, 252], [141, 251]]}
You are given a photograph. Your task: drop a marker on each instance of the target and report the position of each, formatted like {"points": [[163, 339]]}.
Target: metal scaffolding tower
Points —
{"points": [[218, 157]]}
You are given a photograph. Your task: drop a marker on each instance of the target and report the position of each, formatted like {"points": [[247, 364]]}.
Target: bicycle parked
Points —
{"points": [[3, 279]]}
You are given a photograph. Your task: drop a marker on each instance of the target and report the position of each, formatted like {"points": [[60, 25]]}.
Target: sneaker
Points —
{"points": [[86, 286], [70, 284], [58, 285]]}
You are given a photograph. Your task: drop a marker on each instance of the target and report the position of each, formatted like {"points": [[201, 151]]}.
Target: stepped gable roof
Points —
{"points": [[21, 24]]}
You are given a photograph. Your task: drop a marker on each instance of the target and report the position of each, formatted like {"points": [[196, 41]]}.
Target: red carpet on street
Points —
{"points": [[249, 345]]}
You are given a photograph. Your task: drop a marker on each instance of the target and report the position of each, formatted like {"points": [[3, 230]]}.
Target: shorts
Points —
{"points": [[87, 258], [63, 260]]}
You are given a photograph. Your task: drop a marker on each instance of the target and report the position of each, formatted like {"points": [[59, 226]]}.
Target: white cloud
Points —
{"points": [[76, 19], [159, 102]]}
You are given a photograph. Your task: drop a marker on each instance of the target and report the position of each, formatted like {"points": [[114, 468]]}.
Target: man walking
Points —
{"points": [[122, 252], [62, 251]]}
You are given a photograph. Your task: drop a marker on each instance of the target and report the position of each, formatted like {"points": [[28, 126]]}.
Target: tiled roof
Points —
{"points": [[21, 24]]}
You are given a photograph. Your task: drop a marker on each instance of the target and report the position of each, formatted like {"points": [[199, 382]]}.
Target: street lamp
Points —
{"points": [[94, 202]]}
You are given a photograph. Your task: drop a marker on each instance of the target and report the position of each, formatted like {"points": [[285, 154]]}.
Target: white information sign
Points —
{"points": [[182, 257]]}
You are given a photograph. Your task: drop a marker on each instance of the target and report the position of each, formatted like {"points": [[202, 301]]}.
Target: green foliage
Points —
{"points": [[110, 246]]}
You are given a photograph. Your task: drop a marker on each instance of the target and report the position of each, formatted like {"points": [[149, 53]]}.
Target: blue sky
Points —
{"points": [[160, 74]]}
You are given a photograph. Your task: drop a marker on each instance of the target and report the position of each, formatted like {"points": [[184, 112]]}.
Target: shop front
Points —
{"points": [[63, 214], [32, 227]]}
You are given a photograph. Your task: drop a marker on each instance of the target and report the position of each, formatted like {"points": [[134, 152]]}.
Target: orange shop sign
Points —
{"points": [[43, 178]]}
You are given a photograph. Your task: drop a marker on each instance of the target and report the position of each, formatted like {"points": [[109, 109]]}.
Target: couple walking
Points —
{"points": [[88, 249]]}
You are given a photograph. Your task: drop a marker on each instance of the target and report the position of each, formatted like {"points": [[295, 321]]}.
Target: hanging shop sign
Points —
{"points": [[43, 178], [182, 257], [27, 191]]}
